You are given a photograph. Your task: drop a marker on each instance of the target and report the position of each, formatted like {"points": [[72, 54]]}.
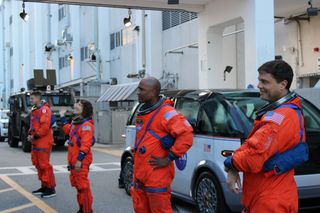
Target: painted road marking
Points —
{"points": [[36, 201], [30, 170], [6, 190], [18, 208]]}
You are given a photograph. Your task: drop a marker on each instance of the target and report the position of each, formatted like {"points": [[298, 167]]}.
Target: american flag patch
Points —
{"points": [[86, 128], [207, 148], [170, 114], [274, 117]]}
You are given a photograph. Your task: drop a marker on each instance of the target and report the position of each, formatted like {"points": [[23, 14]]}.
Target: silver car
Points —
{"points": [[4, 124], [221, 121]]}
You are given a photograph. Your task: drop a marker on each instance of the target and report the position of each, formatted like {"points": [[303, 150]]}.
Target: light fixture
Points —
{"points": [[127, 21], [23, 14], [227, 70]]}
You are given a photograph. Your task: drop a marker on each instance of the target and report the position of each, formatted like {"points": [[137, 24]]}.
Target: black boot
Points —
{"points": [[80, 210], [49, 193], [39, 191]]}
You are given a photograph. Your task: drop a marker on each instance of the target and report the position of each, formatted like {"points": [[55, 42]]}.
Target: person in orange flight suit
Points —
{"points": [[41, 137], [81, 139], [163, 135], [277, 129]]}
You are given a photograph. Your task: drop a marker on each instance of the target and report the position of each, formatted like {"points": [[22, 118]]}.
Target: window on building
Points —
{"points": [[84, 53], [112, 43], [63, 62], [11, 51], [62, 12], [174, 18], [116, 40], [10, 20]]}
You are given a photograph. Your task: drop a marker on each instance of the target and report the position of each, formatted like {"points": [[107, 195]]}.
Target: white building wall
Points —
{"points": [[257, 17], [185, 61], [287, 45]]}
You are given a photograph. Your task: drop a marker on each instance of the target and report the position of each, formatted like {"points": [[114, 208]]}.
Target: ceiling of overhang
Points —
{"points": [[188, 5], [287, 8], [282, 7]]}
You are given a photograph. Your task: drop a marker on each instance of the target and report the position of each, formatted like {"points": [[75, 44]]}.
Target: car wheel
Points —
{"points": [[26, 145], [12, 141], [127, 174], [208, 194]]}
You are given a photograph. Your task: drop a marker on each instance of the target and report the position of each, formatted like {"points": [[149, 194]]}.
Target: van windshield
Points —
{"points": [[55, 100]]}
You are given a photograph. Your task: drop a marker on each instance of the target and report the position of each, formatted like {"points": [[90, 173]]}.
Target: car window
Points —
{"points": [[215, 119], [20, 102], [248, 106], [133, 114], [189, 108], [311, 116]]}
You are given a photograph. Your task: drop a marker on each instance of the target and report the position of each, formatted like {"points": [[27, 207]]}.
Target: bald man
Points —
{"points": [[163, 135]]}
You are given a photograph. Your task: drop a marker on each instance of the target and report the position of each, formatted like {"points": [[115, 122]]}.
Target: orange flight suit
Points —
{"points": [[40, 129], [151, 191], [81, 135], [262, 192]]}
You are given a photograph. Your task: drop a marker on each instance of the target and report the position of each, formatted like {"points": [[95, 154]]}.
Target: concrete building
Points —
{"points": [[158, 43]]}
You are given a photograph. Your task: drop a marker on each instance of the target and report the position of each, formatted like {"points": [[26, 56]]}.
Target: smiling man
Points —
{"points": [[278, 128]]}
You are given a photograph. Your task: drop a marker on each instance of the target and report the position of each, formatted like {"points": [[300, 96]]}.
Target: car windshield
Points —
{"points": [[60, 100]]}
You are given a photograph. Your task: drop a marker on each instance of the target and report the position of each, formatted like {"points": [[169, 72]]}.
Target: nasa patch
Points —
{"points": [[139, 123], [44, 111], [181, 163]]}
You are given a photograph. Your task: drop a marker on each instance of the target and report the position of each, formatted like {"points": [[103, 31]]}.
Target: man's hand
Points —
{"points": [[233, 181], [78, 166], [30, 138], [62, 111], [158, 162]]}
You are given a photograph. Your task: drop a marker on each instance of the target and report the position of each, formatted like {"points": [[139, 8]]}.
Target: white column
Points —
{"points": [[259, 37]]}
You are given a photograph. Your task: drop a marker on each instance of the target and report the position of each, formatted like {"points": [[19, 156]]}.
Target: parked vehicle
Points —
{"points": [[19, 116], [222, 119], [4, 124]]}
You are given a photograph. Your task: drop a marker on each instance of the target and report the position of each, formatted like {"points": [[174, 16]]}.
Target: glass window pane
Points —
{"points": [[188, 108], [216, 120]]}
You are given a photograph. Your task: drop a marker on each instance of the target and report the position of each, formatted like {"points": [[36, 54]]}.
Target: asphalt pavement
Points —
{"points": [[18, 178]]}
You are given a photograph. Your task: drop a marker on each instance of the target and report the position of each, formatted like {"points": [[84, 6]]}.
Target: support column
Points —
{"points": [[259, 38]]}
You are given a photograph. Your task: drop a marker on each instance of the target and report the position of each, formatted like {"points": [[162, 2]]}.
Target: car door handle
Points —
{"points": [[227, 153]]}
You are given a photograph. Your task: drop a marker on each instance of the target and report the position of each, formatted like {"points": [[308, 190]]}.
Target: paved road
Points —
{"points": [[18, 178]]}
